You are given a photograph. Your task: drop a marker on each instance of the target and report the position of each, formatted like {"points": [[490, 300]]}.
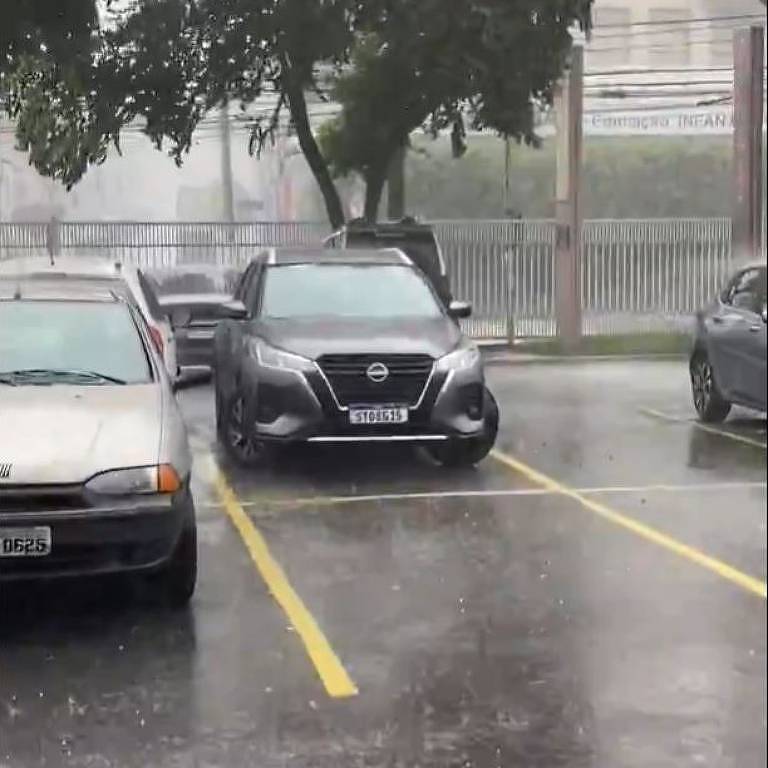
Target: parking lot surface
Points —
{"points": [[592, 595]]}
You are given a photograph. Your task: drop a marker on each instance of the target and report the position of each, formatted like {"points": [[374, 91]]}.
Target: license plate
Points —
{"points": [[201, 335], [25, 542], [378, 415]]}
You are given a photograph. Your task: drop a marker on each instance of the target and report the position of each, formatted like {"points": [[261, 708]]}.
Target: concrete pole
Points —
{"points": [[226, 164], [747, 141], [569, 100]]}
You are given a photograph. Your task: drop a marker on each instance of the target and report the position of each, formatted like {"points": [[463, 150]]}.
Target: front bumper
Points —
{"points": [[137, 534], [292, 406]]}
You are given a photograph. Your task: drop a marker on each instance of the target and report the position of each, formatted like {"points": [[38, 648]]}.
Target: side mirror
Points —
{"points": [[233, 310], [460, 309], [764, 313]]}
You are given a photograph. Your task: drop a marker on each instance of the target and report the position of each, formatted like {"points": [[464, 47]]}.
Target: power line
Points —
{"points": [[659, 71], [698, 20], [658, 46]]}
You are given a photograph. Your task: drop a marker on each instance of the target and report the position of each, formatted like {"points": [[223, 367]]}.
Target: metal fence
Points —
{"points": [[637, 275]]}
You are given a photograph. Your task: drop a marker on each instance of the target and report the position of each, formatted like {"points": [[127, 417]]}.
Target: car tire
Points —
{"points": [[466, 452], [243, 449], [708, 401], [175, 583]]}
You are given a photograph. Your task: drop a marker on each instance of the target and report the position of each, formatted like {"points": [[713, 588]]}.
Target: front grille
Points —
{"points": [[41, 498], [347, 375]]}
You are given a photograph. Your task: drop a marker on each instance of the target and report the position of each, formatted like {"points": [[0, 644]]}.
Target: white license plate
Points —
{"points": [[25, 542], [378, 415]]}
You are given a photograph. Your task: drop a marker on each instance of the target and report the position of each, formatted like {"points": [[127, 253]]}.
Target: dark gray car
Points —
{"points": [[728, 363], [192, 295], [348, 346]]}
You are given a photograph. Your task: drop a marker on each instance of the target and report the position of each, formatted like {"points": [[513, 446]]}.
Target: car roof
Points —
{"points": [[193, 269], [406, 226], [56, 290], [61, 267], [318, 255]]}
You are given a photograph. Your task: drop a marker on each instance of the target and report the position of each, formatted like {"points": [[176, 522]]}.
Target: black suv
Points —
{"points": [[416, 240], [347, 346]]}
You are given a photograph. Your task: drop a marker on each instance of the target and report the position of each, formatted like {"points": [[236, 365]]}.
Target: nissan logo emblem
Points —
{"points": [[377, 373]]}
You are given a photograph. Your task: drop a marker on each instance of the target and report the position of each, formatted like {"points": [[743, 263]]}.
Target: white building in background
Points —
{"points": [[654, 34], [663, 67]]}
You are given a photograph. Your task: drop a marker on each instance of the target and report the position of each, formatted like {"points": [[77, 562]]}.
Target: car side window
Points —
{"points": [[746, 292], [251, 300], [242, 286]]}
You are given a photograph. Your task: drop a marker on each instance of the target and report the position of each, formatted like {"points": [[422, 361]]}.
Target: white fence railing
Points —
{"points": [[637, 275]]}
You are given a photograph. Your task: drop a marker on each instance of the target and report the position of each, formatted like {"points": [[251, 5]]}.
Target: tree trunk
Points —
{"points": [[317, 164], [374, 189], [396, 185]]}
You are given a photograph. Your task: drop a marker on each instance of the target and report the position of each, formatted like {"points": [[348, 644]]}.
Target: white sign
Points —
{"points": [[673, 122]]}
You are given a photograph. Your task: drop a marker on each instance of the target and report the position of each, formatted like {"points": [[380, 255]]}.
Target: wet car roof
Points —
{"points": [[62, 266], [54, 290], [384, 256]]}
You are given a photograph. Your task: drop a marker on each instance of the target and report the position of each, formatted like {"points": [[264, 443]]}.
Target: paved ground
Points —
{"points": [[592, 596]]}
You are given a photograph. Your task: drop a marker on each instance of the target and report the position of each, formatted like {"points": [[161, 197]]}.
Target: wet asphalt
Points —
{"points": [[489, 618]]}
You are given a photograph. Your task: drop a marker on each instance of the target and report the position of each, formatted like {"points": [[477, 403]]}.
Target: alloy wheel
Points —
{"points": [[245, 448], [702, 384]]}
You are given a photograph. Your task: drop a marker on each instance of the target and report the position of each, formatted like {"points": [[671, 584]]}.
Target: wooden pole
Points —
{"points": [[747, 142]]}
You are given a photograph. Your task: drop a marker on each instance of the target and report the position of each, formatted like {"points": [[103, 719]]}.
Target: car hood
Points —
{"points": [[62, 434], [314, 337]]}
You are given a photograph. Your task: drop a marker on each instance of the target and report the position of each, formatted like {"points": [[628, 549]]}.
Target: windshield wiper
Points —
{"points": [[36, 374]]}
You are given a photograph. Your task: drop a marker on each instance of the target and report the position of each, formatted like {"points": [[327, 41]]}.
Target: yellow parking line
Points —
{"points": [[703, 427], [335, 678], [712, 564]]}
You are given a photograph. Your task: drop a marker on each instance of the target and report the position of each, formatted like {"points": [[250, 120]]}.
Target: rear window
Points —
{"points": [[421, 248], [180, 283], [72, 336]]}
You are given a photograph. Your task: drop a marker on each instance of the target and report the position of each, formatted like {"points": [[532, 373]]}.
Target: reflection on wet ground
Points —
{"points": [[487, 622]]}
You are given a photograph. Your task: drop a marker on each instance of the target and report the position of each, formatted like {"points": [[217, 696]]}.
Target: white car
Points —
{"points": [[95, 463], [125, 279]]}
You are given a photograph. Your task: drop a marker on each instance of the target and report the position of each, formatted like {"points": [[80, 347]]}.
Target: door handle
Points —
{"points": [[755, 328]]}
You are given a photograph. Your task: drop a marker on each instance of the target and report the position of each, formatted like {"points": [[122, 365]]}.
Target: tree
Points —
{"points": [[170, 62], [30, 27], [443, 64]]}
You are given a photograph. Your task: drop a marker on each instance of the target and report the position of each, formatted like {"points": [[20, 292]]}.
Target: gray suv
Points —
{"points": [[728, 363], [325, 346]]}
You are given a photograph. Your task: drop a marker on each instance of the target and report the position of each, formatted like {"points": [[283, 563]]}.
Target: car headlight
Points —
{"points": [[272, 357], [136, 480], [465, 356]]}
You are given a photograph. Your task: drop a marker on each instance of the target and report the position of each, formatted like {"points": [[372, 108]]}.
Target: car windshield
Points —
{"points": [[70, 342], [179, 282], [370, 291]]}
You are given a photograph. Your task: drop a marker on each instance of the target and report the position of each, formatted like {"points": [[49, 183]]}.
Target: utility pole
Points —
{"points": [[396, 186], [226, 164], [569, 100], [747, 141]]}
